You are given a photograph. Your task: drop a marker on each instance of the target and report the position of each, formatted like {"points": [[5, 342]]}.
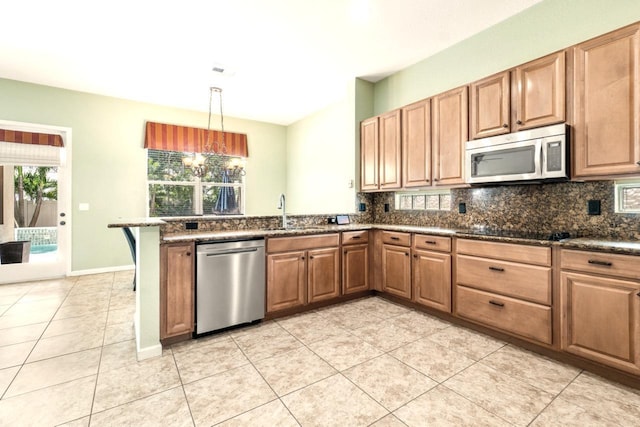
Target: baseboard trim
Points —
{"points": [[148, 352], [101, 270]]}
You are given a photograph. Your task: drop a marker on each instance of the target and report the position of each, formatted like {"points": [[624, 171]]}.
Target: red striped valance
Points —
{"points": [[161, 136], [30, 138]]}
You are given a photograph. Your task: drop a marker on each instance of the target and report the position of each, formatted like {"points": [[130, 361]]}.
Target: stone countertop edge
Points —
{"points": [[593, 244], [136, 222]]}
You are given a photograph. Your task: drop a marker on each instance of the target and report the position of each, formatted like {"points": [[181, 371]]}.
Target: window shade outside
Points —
{"points": [[30, 138], [161, 136]]}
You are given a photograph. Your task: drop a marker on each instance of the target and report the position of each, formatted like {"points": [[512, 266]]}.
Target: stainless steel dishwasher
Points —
{"points": [[230, 284]]}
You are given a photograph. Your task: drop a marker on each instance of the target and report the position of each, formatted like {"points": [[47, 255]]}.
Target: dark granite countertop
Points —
{"points": [[631, 247], [136, 222]]}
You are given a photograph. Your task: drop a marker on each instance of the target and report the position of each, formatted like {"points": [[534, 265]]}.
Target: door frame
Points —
{"points": [[18, 272]]}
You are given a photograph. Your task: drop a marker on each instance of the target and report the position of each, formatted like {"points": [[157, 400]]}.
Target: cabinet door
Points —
{"points": [[355, 268], [539, 91], [396, 270], [490, 108], [323, 274], [432, 279], [450, 132], [369, 154], [607, 104], [176, 291], [600, 320], [286, 283], [416, 144], [390, 151]]}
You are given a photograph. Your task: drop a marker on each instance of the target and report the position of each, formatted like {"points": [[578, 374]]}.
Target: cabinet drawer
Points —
{"points": [[355, 237], [395, 238], [529, 282], [505, 251], [627, 266], [300, 243], [432, 243], [523, 318]]}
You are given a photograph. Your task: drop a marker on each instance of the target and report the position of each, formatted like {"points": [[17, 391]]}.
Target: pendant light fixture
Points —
{"points": [[213, 159]]}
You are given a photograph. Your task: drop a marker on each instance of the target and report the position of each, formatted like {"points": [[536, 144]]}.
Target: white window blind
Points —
{"points": [[12, 153]]}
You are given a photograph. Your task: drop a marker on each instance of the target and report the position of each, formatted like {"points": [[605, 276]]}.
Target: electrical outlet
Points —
{"points": [[362, 207], [593, 207], [462, 208], [386, 207], [191, 225]]}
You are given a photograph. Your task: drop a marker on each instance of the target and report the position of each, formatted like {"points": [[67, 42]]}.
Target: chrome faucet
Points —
{"points": [[283, 206]]}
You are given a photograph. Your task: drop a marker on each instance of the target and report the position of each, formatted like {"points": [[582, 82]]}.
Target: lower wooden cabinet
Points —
{"points": [[523, 318], [355, 268], [396, 270], [177, 274], [302, 270], [432, 279], [286, 281], [601, 315], [323, 274], [505, 286]]}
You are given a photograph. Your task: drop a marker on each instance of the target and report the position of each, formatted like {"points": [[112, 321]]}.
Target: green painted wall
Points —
{"points": [[109, 162], [320, 158], [542, 29]]}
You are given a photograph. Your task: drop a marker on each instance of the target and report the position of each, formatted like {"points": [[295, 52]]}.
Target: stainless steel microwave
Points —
{"points": [[530, 155]]}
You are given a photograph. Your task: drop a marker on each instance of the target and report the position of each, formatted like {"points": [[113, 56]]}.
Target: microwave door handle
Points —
{"points": [[539, 159]]}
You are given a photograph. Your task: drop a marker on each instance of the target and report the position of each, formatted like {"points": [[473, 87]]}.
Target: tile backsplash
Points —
{"points": [[542, 208]]}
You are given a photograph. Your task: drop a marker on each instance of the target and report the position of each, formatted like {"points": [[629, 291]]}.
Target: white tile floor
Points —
{"points": [[67, 357]]}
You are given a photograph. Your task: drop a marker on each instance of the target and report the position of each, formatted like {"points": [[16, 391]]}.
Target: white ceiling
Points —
{"points": [[290, 57]]}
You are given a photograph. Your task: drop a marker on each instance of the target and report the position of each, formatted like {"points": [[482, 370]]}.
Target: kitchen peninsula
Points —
{"points": [[515, 283]]}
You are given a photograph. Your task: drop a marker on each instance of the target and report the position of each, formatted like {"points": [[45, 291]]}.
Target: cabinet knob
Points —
{"points": [[519, 122], [188, 254], [505, 125], [345, 252], [415, 256], [406, 253], [311, 257], [436, 179], [302, 257], [638, 163]]}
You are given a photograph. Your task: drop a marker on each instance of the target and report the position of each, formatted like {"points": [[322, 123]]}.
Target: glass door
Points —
{"points": [[34, 234]]}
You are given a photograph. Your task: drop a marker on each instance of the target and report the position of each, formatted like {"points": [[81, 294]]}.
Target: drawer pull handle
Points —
{"points": [[496, 303], [603, 263], [496, 269], [430, 242], [355, 237], [395, 238]]}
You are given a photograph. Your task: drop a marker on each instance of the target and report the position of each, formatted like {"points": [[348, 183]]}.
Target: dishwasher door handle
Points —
{"points": [[231, 251]]}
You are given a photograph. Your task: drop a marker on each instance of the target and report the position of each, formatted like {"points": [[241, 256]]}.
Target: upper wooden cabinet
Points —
{"points": [[529, 96], [538, 92], [607, 104], [450, 132], [490, 110], [380, 152], [416, 144], [369, 154]]}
